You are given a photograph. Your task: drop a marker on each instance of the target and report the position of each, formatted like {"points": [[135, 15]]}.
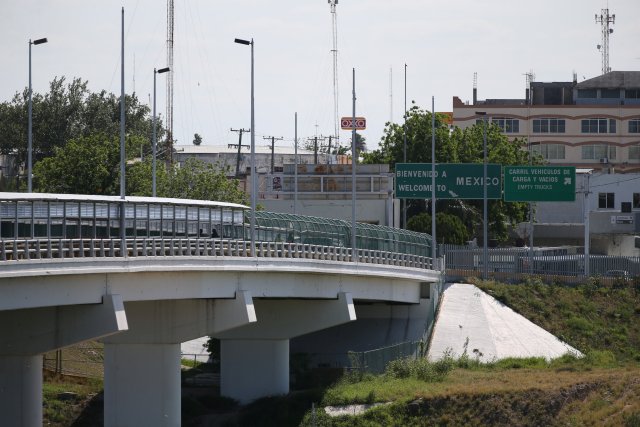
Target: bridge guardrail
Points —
{"points": [[27, 249]]}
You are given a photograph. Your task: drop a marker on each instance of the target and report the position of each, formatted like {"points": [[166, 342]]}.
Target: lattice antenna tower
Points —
{"points": [[604, 19], [169, 118], [334, 52]]}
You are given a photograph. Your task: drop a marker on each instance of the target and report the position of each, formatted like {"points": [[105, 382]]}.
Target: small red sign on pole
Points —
{"points": [[348, 123]]}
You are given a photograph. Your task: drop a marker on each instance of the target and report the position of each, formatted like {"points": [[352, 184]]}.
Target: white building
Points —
{"points": [[323, 182]]}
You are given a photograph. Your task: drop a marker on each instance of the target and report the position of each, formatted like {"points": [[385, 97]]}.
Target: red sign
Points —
{"points": [[348, 123]]}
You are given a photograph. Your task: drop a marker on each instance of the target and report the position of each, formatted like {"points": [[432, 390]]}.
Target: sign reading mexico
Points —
{"points": [[348, 123], [453, 181], [539, 183]]}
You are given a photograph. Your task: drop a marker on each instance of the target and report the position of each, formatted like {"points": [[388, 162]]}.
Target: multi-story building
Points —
{"points": [[591, 124]]}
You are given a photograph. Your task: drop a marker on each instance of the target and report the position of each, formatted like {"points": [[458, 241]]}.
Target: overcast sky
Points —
{"points": [[442, 42]]}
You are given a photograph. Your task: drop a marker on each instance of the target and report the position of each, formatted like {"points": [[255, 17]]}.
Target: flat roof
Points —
{"points": [[114, 199]]}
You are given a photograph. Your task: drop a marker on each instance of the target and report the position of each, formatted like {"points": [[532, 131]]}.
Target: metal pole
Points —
{"points": [[153, 161], [253, 162], [354, 161], [404, 201], [295, 171], [29, 148], [587, 236], [434, 240], [123, 222], [484, 207], [122, 106]]}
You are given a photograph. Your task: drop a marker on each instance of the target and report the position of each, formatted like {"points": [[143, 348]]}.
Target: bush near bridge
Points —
{"points": [[600, 319]]}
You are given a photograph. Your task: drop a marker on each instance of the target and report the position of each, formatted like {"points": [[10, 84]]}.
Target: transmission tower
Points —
{"points": [[334, 51], [604, 19], [170, 80]]}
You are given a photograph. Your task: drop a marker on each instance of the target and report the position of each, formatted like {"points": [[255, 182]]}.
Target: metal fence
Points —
{"points": [[24, 249], [565, 262]]}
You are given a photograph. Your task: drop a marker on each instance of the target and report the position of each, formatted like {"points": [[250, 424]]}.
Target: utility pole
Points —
{"points": [[329, 149], [273, 145], [315, 147], [169, 118], [239, 144]]}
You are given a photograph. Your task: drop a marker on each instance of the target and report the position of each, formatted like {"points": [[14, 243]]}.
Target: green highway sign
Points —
{"points": [[539, 183], [453, 181]]}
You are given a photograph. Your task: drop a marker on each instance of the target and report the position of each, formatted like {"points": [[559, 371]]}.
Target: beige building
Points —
{"points": [[591, 124]]}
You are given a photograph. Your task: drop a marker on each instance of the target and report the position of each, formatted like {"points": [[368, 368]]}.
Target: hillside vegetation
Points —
{"points": [[603, 388]]}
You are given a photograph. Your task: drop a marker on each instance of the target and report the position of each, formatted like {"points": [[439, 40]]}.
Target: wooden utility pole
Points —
{"points": [[273, 144], [240, 132]]}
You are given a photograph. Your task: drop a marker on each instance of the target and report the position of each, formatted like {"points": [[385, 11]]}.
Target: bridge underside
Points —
{"points": [[142, 315]]}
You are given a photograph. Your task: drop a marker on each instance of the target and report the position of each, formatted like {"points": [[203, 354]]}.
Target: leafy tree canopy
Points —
{"points": [[69, 111], [450, 228], [455, 146]]}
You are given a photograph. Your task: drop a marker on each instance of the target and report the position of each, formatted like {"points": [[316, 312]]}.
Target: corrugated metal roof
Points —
{"points": [[613, 80]]}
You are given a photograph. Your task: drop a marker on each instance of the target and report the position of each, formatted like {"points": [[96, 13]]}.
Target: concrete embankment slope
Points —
{"points": [[489, 330]]}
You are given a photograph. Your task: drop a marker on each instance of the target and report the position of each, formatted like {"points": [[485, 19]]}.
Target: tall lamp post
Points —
{"points": [[253, 154], [30, 133], [155, 141], [484, 192]]}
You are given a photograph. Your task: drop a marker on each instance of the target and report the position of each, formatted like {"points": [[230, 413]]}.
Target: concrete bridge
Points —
{"points": [[144, 275]]}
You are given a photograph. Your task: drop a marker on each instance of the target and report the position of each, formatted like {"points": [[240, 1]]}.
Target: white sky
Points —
{"points": [[442, 42]]}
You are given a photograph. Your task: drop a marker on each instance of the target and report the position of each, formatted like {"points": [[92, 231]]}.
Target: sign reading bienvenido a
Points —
{"points": [[453, 181], [539, 183]]}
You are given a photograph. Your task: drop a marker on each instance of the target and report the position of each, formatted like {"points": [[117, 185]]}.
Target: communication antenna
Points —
{"points": [[334, 51], [604, 19], [475, 87], [169, 100]]}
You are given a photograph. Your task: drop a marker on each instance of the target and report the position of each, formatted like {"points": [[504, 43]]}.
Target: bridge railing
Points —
{"points": [[52, 248]]}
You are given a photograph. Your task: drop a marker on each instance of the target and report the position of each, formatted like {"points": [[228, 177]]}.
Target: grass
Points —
{"points": [[65, 397], [601, 319]]}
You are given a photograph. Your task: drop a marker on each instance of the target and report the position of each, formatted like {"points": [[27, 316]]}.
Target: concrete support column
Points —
{"points": [[250, 369], [21, 391], [143, 385]]}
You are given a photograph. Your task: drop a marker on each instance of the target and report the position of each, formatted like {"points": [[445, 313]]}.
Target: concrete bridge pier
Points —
{"points": [[142, 365], [27, 333], [21, 390], [255, 358]]}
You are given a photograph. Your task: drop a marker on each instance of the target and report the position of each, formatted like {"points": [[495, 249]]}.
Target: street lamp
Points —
{"points": [[30, 133], [153, 162], [253, 154], [484, 191]]}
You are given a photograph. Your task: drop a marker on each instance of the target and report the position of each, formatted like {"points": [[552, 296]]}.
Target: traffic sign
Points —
{"points": [[453, 181], [539, 184], [347, 123]]}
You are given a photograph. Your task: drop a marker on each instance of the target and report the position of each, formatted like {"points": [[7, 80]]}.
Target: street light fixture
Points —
{"points": [[153, 172], [484, 190], [30, 132], [253, 153]]}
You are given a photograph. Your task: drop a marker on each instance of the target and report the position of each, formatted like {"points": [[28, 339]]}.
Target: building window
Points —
{"points": [[634, 152], [587, 93], [634, 126], [598, 125], [636, 200], [549, 151], [632, 93], [548, 125], [610, 93], [597, 152], [606, 200], [507, 124]]}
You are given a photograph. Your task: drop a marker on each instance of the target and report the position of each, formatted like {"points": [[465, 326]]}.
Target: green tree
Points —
{"points": [[456, 146], [197, 139], [449, 228], [67, 112], [196, 179], [85, 165]]}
